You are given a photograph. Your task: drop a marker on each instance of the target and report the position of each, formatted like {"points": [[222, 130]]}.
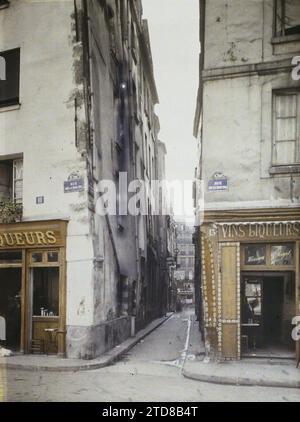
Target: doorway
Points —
{"points": [[267, 309], [273, 304], [10, 308]]}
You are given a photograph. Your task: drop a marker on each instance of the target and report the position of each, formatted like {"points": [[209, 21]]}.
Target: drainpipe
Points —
{"points": [[88, 91]]}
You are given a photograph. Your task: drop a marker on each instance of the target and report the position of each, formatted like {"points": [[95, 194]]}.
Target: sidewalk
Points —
{"points": [[54, 364], [247, 372]]}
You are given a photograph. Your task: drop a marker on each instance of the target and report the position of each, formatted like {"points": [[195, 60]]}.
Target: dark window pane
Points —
{"points": [[282, 255], [12, 257], [287, 20], [255, 254], [52, 256], [255, 305], [45, 291], [292, 17], [4, 3], [252, 289], [9, 89], [37, 257]]}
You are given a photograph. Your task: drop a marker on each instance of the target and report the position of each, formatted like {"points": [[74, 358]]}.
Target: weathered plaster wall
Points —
{"points": [[237, 106], [233, 32], [43, 130], [241, 33], [68, 122]]}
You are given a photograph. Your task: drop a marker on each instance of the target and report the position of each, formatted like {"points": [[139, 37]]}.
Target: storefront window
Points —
{"points": [[52, 256], [37, 257], [45, 291], [251, 310], [252, 289], [282, 254], [10, 257], [255, 255]]}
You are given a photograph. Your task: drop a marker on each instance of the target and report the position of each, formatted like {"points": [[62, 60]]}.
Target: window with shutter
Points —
{"points": [[4, 4], [287, 17], [286, 131], [11, 180], [9, 88], [18, 181]]}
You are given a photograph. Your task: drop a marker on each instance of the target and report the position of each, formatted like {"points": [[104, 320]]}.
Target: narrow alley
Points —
{"points": [[151, 371]]}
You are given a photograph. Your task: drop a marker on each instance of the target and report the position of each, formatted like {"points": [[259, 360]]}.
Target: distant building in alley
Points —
{"points": [[248, 129], [77, 108], [184, 275]]}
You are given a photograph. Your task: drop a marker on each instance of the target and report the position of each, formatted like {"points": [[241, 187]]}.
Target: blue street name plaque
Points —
{"points": [[218, 184], [74, 185]]}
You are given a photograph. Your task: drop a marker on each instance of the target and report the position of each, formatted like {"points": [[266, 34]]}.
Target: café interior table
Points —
{"points": [[253, 327]]}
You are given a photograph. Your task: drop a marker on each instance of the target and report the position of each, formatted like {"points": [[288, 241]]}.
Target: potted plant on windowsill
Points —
{"points": [[10, 211]]}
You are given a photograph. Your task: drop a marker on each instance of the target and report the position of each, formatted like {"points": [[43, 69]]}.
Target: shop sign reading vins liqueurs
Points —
{"points": [[37, 238], [32, 235], [266, 230]]}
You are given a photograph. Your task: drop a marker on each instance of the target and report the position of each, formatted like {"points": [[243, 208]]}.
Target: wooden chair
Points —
{"points": [[2, 329], [245, 343], [50, 340], [37, 347]]}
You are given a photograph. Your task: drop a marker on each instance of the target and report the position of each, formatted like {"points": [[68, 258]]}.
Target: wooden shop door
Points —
{"points": [[229, 330]]}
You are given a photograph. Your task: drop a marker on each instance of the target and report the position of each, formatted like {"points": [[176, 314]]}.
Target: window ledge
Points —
{"points": [[4, 4], [286, 39], [10, 108], [294, 168]]}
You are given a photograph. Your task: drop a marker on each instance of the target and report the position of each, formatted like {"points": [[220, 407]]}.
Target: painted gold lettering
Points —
{"points": [[261, 230], [275, 231], [235, 231], [251, 230], [242, 232], [296, 228], [225, 230], [51, 237], [281, 226], [289, 229], [41, 238], [29, 238], [9, 239], [19, 239]]}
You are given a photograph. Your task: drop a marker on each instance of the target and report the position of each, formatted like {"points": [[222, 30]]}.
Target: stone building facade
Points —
{"points": [[247, 126], [76, 108], [184, 275]]}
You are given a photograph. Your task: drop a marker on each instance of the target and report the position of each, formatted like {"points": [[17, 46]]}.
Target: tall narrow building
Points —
{"points": [[248, 129], [76, 109]]}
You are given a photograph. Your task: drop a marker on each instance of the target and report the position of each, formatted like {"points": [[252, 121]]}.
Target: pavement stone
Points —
{"points": [[55, 364], [245, 373]]}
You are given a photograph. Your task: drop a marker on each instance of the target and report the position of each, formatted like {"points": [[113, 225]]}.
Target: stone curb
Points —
{"points": [[240, 381], [109, 358]]}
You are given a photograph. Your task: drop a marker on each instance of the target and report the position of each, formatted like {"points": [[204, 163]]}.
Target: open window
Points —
{"points": [[9, 88], [286, 132], [4, 4], [11, 180], [287, 17]]}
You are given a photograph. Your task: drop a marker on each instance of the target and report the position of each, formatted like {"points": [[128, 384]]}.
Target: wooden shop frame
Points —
{"points": [[37, 237], [228, 252]]}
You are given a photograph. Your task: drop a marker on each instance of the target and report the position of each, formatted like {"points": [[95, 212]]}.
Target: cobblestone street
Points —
{"points": [[152, 371]]}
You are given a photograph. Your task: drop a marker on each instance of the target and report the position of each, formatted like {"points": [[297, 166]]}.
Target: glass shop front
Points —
{"points": [[268, 299], [32, 287], [251, 287]]}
